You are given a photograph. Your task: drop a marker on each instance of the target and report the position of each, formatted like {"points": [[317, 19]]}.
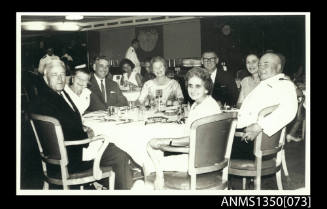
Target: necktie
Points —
{"points": [[103, 91]]}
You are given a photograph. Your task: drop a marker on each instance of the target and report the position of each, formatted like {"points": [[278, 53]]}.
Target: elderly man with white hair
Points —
{"points": [[275, 88]]}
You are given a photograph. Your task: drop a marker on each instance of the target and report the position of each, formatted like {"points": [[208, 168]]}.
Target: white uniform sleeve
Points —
{"points": [[41, 66], [128, 53], [286, 111]]}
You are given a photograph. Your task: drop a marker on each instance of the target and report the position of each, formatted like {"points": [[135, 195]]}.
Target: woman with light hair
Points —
{"points": [[78, 90], [169, 88]]}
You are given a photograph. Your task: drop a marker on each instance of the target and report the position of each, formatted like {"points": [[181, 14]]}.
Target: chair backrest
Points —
{"points": [[50, 139], [264, 144], [30, 85], [210, 141]]}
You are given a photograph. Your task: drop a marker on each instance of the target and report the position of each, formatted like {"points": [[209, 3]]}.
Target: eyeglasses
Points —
{"points": [[211, 59]]}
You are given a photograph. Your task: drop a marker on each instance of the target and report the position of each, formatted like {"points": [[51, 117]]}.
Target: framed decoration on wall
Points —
{"points": [[151, 41]]}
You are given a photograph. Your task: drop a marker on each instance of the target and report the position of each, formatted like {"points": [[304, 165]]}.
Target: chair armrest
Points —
{"points": [[239, 134], [83, 141], [77, 142]]}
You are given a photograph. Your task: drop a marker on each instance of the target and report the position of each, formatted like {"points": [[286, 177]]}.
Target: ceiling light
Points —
{"points": [[74, 17], [34, 25], [66, 26]]}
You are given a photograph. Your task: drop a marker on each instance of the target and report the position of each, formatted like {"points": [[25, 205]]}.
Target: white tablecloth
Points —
{"points": [[130, 137]]}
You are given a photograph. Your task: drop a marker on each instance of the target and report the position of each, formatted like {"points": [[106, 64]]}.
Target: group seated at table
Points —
{"points": [[68, 103], [274, 89]]}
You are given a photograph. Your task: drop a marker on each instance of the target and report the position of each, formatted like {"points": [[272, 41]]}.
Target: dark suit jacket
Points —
{"points": [[114, 95], [50, 103], [224, 88]]}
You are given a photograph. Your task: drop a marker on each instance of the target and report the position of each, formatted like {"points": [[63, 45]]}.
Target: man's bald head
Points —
{"points": [[269, 66]]}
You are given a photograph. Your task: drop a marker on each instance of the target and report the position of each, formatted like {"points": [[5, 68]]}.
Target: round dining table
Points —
{"points": [[131, 131]]}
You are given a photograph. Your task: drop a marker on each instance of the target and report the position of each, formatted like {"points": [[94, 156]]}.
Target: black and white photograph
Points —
{"points": [[163, 103]]}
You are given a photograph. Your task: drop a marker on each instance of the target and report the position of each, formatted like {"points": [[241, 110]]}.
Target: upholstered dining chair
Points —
{"points": [[269, 157], [209, 151], [52, 147]]}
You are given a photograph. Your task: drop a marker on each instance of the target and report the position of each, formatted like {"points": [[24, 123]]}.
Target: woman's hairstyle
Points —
{"points": [[201, 73], [253, 54], [159, 59], [126, 61], [83, 70]]}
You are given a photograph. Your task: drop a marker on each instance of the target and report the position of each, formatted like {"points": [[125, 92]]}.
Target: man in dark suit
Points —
{"points": [[55, 102], [105, 92], [224, 88]]}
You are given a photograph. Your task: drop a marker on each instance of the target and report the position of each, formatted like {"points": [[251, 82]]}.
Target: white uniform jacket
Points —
{"points": [[272, 91]]}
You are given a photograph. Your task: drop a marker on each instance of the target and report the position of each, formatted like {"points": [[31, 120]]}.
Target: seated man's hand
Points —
{"points": [[252, 131]]}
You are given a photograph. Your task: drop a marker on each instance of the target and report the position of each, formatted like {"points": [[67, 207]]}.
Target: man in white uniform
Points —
{"points": [[131, 55], [274, 89], [46, 59]]}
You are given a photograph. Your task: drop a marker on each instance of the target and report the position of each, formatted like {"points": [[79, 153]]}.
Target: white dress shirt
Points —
{"points": [[276, 90], [99, 84], [213, 75], [131, 55], [82, 101]]}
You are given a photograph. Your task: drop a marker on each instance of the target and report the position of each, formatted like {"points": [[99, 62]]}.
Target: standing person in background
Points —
{"points": [[249, 82], [131, 55], [224, 87], [46, 59]]}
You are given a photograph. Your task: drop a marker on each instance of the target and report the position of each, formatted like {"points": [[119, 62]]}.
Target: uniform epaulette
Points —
{"points": [[282, 79], [44, 56]]}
